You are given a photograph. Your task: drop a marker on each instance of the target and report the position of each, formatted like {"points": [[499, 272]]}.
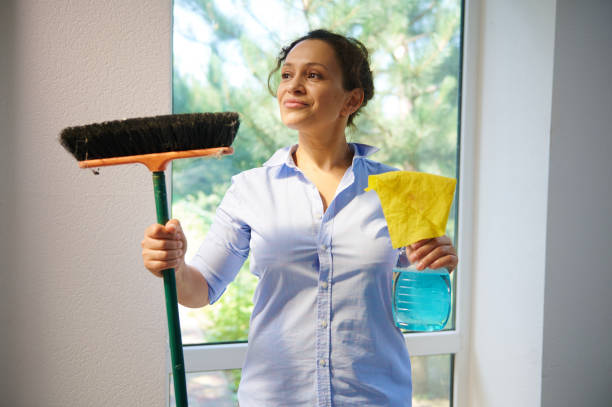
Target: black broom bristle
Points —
{"points": [[146, 135]]}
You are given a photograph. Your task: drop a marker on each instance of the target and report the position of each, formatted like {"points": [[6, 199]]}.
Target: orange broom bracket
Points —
{"points": [[156, 161]]}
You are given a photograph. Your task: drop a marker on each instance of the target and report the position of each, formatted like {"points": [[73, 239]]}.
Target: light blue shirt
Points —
{"points": [[321, 331]]}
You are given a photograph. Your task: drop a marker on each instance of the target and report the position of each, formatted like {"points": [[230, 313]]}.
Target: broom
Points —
{"points": [[155, 141]]}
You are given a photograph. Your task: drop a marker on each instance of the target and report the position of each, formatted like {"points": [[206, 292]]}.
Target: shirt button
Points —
{"points": [[323, 324], [322, 362], [323, 284], [323, 247]]}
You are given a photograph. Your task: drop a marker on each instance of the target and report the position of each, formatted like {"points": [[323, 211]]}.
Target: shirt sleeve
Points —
{"points": [[226, 246]]}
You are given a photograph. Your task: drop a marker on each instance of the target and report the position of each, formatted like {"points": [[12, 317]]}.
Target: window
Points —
{"points": [[223, 51]]}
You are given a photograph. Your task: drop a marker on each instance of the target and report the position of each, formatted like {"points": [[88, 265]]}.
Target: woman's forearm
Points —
{"points": [[191, 287]]}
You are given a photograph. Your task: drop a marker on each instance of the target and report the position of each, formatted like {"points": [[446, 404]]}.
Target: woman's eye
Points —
{"points": [[285, 75], [314, 75]]}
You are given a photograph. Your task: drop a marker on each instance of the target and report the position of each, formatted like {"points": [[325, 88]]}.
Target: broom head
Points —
{"points": [[153, 141]]}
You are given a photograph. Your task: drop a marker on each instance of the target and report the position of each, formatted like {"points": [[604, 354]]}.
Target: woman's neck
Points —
{"points": [[323, 153]]}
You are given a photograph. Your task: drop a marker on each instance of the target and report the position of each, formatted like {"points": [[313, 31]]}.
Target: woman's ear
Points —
{"points": [[353, 102]]}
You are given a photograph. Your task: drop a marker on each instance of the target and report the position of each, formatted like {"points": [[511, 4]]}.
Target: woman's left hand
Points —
{"points": [[433, 253]]}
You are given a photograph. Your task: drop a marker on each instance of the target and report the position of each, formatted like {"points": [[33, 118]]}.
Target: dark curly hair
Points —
{"points": [[354, 61]]}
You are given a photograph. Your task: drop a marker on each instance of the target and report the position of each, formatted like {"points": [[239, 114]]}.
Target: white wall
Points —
{"points": [[577, 351], [541, 319], [83, 324], [511, 164]]}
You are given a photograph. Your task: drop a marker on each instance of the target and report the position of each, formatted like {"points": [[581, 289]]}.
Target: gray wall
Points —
{"points": [[577, 347], [82, 321], [7, 208]]}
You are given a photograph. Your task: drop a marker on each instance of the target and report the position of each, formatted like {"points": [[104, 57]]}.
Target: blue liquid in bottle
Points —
{"points": [[421, 299]]}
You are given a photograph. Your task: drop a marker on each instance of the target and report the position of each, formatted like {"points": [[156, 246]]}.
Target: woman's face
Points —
{"points": [[310, 95]]}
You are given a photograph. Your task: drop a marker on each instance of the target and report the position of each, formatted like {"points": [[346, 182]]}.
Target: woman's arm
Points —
{"points": [[191, 287]]}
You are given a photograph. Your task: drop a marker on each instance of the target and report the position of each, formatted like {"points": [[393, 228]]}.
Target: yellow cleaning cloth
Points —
{"points": [[415, 204]]}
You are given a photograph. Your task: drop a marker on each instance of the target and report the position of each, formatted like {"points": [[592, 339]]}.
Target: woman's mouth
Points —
{"points": [[294, 103]]}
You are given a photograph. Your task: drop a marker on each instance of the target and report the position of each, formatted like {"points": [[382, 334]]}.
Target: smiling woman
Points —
{"points": [[272, 212]]}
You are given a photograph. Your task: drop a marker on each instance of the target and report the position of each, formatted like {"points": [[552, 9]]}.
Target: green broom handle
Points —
{"points": [[174, 326]]}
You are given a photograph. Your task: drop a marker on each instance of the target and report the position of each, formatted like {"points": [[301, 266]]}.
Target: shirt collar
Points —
{"points": [[285, 155]]}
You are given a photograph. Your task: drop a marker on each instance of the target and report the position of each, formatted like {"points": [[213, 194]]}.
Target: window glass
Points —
{"points": [[211, 389], [431, 380], [223, 51], [431, 385]]}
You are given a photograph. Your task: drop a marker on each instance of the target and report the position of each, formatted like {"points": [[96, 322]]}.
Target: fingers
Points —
{"points": [[157, 261], [163, 255], [449, 262], [441, 240], [161, 244], [418, 244], [174, 226], [169, 231], [156, 267], [433, 253]]}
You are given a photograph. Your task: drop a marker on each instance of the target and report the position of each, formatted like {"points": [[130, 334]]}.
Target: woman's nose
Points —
{"points": [[296, 85]]}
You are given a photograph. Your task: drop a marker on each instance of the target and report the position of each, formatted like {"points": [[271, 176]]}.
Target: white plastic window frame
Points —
{"points": [[213, 357]]}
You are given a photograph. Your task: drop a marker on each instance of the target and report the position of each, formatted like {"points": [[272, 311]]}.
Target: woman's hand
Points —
{"points": [[433, 253], [164, 247]]}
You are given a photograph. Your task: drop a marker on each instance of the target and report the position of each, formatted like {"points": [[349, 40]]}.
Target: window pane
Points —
{"points": [[223, 51], [431, 381], [210, 389]]}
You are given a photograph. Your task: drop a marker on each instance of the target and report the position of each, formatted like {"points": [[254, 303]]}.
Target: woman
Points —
{"points": [[322, 331]]}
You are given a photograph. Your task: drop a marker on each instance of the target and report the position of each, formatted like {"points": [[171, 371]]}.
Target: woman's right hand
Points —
{"points": [[164, 247]]}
